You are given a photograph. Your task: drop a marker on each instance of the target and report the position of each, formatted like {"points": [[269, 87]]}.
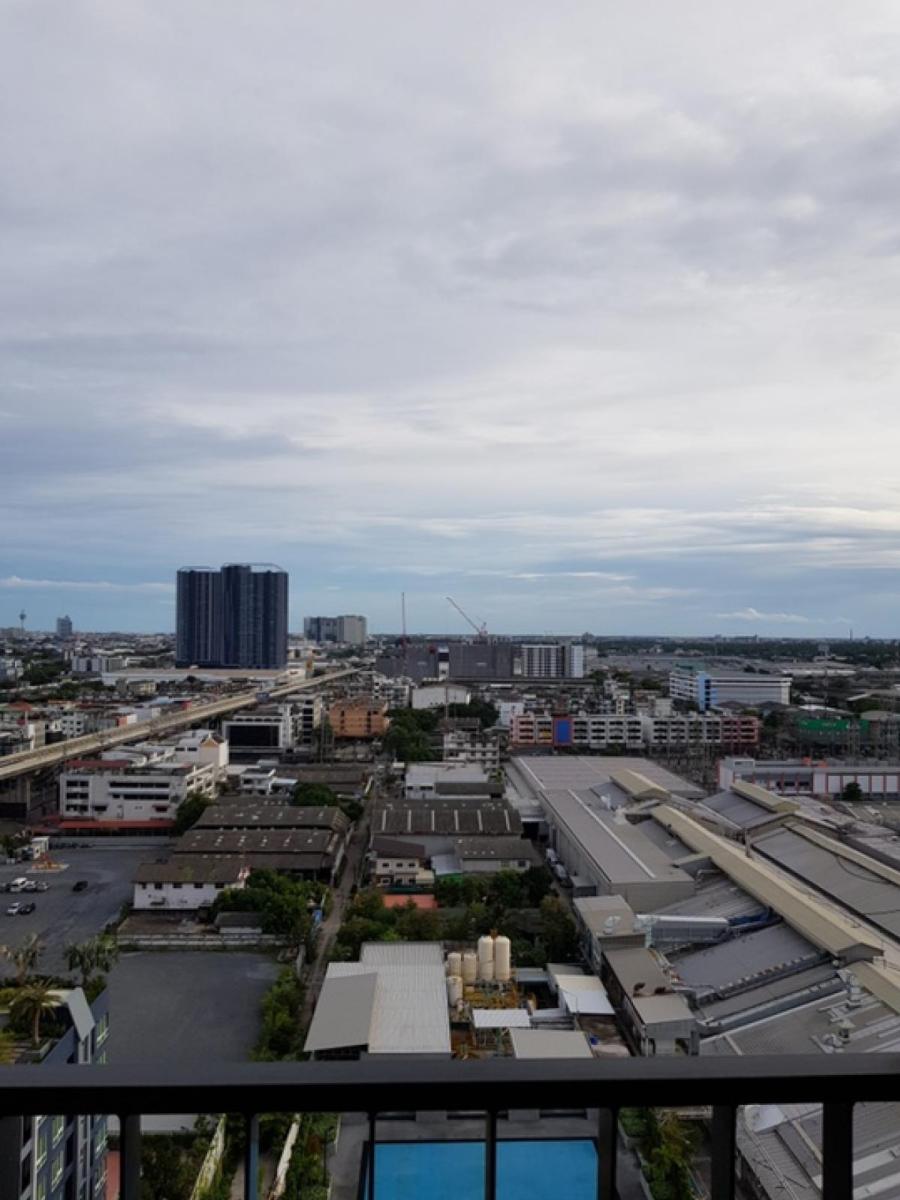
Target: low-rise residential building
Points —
{"points": [[186, 882], [118, 790], [706, 729], [56, 1157], [394, 862], [480, 747], [358, 718]]}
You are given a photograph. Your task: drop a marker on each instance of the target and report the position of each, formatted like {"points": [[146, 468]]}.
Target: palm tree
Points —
{"points": [[25, 957], [31, 1003], [95, 954]]}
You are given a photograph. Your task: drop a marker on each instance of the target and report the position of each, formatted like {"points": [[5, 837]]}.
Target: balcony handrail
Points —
{"points": [[419, 1083]]}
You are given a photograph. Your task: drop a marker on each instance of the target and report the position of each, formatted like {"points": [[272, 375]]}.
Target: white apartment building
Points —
{"points": [[110, 790], [709, 689], [478, 746], [186, 882], [630, 731], [436, 697], [96, 664], [395, 693], [552, 660]]}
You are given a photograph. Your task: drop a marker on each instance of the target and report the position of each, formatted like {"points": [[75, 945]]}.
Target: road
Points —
{"points": [[49, 756], [316, 969]]}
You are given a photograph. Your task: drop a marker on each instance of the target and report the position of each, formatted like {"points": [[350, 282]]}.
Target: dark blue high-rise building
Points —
{"points": [[233, 617]]}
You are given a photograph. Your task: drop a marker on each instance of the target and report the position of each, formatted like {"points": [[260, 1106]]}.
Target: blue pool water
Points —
{"points": [[538, 1170]]}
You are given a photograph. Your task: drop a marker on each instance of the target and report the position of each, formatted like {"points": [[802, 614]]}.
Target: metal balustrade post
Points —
{"points": [[490, 1156], [370, 1159], [130, 1157], [607, 1140], [251, 1157], [723, 1151], [837, 1150]]}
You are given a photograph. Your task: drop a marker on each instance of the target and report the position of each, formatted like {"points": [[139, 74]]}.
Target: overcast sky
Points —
{"points": [[583, 313]]}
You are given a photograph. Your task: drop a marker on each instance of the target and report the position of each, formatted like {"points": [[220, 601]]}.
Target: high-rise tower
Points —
{"points": [[233, 617]]}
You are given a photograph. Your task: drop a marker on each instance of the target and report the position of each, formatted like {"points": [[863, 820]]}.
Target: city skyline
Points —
{"points": [[583, 333]]}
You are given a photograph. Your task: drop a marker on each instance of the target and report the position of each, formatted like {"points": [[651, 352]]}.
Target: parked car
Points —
{"points": [[42, 886], [80, 886], [30, 885], [25, 909], [14, 909], [18, 885]]}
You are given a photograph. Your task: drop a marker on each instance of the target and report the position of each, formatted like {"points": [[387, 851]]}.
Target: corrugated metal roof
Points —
{"points": [[500, 1018], [343, 1015], [620, 851], [743, 958], [852, 884], [549, 1043], [410, 1014]]}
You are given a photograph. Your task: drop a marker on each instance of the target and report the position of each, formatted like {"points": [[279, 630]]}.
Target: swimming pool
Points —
{"points": [[539, 1170]]}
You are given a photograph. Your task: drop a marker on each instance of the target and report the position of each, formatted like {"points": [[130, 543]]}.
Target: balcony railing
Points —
{"points": [[374, 1086]]}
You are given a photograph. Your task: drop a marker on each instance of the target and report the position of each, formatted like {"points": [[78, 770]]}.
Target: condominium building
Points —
{"points": [[349, 629], [233, 617], [708, 689], [64, 627], [552, 660], [54, 1157]]}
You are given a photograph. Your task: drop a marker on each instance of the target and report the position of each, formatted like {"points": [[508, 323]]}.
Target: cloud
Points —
{"points": [[578, 321], [15, 583], [769, 618]]}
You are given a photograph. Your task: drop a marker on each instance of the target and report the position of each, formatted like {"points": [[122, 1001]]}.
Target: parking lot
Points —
{"points": [[186, 1005], [62, 916]]}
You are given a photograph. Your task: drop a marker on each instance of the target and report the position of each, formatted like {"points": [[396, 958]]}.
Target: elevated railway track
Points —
{"points": [[14, 766]]}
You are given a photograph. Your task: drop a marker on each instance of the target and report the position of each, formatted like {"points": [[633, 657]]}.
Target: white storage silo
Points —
{"points": [[502, 958], [454, 990], [470, 967], [485, 950], [486, 971], [454, 963]]}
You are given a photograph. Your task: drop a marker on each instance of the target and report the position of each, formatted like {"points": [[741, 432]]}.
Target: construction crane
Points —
{"points": [[481, 629]]}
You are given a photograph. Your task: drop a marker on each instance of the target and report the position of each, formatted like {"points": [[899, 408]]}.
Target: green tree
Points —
{"points": [[168, 1169], [313, 795], [25, 958], [97, 955], [189, 812], [852, 792], [32, 1002], [557, 931], [285, 905]]}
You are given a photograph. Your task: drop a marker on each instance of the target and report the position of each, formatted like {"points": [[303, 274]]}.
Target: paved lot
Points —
{"points": [[63, 916], [186, 1006]]}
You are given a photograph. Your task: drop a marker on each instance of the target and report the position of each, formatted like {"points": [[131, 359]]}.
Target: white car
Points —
{"points": [[13, 909]]}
